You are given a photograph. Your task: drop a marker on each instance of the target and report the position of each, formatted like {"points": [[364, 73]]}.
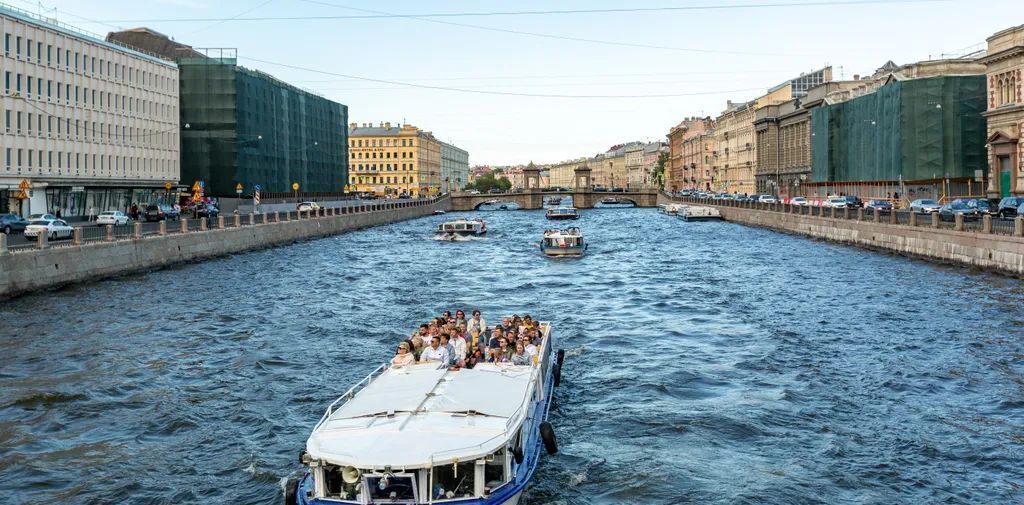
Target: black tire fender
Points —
{"points": [[547, 434], [517, 455], [556, 374], [291, 491], [560, 357]]}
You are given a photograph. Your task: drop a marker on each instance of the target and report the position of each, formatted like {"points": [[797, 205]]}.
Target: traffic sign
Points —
{"points": [[196, 187], [168, 185], [21, 195], [295, 186], [24, 185], [238, 189], [257, 187]]}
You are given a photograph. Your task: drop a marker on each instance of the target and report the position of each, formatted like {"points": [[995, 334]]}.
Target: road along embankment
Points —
{"points": [[1003, 253], [27, 270]]}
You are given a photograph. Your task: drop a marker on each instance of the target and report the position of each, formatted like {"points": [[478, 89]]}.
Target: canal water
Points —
{"points": [[706, 363]]}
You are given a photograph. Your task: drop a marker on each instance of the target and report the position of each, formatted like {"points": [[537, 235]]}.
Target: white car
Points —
{"points": [[767, 199], [52, 228], [112, 217], [798, 200], [838, 202], [308, 206]]}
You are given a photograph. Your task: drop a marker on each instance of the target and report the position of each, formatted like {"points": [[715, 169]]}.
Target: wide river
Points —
{"points": [[706, 363]]}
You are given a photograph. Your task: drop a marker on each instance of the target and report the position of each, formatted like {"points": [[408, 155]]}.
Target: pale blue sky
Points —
{"points": [[498, 129]]}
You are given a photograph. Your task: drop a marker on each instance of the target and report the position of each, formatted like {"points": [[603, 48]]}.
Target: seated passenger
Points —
{"points": [[476, 323], [502, 354], [528, 346], [435, 353], [459, 344], [475, 358], [403, 357], [520, 357], [417, 346], [460, 317], [446, 343], [496, 335]]}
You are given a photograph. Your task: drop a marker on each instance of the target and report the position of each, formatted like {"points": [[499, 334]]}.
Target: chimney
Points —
{"points": [[353, 126], [856, 77], [387, 125], [382, 124]]}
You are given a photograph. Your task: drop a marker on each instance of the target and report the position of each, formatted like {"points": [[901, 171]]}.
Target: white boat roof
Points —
{"points": [[419, 416]]}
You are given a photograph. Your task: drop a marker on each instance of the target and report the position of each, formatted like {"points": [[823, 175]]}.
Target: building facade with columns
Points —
{"points": [[1004, 74], [690, 150], [454, 168], [734, 158], [633, 154], [393, 160], [89, 125], [562, 174]]}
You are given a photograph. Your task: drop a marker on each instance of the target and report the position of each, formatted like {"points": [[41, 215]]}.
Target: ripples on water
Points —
{"points": [[708, 363]]}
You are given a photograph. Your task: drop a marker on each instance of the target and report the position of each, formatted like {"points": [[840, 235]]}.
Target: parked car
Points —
{"points": [[767, 199], [838, 202], [113, 217], [170, 212], [495, 191], [853, 202], [52, 228], [33, 217], [983, 206], [880, 205], [601, 189], [798, 200], [153, 212], [949, 211], [924, 206], [207, 210], [1008, 206], [307, 206], [10, 223]]}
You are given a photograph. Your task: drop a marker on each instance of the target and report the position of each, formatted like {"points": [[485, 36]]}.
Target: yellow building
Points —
{"points": [[563, 173], [392, 160], [734, 157]]}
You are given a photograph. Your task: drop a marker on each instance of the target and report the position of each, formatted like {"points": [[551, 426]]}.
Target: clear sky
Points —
{"points": [[710, 55]]}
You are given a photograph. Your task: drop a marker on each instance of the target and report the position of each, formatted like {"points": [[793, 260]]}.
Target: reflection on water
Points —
{"points": [[707, 363]]}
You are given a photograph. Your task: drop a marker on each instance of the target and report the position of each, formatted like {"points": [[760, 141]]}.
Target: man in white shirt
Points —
{"points": [[476, 322], [529, 347], [460, 345], [435, 352]]}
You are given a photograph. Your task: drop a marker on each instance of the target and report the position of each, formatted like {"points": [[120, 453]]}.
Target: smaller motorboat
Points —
{"points": [[562, 213], [610, 200], [672, 208], [555, 201], [438, 212], [699, 213], [451, 230], [567, 242]]}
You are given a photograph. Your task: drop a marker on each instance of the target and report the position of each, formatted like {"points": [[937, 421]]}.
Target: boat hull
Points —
{"points": [[701, 218], [562, 217], [563, 251]]}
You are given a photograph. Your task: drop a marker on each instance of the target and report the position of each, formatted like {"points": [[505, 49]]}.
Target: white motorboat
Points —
{"points": [[461, 228], [568, 242], [426, 434], [699, 213], [672, 208]]}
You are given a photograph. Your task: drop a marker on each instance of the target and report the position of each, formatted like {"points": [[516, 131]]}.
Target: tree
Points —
{"points": [[504, 184], [483, 183], [659, 169]]}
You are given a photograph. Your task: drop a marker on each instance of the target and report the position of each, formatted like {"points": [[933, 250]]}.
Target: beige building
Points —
{"points": [[392, 160], [89, 125], [634, 162], [609, 168], [734, 157], [562, 174], [1004, 68], [690, 149]]}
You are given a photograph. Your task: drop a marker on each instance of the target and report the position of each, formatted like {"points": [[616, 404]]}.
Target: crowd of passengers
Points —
{"points": [[458, 342]]}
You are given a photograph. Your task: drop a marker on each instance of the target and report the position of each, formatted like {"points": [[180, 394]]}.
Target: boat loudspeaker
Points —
{"points": [[350, 474]]}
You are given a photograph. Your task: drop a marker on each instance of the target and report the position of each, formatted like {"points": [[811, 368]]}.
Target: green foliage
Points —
{"points": [[659, 169], [487, 182]]}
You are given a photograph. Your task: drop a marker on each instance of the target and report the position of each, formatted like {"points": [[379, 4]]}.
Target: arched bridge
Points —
{"points": [[534, 199]]}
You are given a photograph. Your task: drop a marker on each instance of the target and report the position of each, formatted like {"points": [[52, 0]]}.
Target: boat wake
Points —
{"points": [[456, 238]]}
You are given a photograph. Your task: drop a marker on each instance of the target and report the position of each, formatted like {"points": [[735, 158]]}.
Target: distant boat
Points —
{"points": [[611, 200], [568, 242], [672, 208], [555, 201], [699, 213], [562, 213]]}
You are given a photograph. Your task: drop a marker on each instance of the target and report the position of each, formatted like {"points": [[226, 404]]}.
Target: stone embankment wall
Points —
{"points": [[1001, 253], [31, 270]]}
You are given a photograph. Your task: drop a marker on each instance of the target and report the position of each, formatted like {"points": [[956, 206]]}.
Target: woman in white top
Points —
{"points": [[403, 357]]}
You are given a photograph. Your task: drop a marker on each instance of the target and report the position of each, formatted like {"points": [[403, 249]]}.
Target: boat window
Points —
{"points": [[454, 481], [391, 488], [337, 487], [494, 471]]}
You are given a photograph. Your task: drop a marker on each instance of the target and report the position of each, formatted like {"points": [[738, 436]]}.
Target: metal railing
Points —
{"points": [[138, 230], [983, 224]]}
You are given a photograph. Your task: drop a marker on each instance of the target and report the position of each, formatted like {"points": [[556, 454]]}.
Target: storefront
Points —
{"points": [[84, 202]]}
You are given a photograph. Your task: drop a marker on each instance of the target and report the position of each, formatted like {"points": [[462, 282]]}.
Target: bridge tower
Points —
{"points": [[531, 179], [583, 192]]}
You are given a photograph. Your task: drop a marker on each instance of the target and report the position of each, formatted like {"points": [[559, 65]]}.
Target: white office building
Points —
{"points": [[454, 168], [88, 125]]}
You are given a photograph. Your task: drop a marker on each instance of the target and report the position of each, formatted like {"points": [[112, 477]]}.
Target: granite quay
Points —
{"points": [[989, 243], [96, 253]]}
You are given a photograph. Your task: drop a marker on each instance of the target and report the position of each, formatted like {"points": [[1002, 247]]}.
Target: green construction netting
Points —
{"points": [[247, 127], [916, 129]]}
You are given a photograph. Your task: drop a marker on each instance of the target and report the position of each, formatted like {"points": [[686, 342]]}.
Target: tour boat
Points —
{"points": [[426, 434], [699, 213], [568, 242], [461, 228], [561, 213], [610, 200]]}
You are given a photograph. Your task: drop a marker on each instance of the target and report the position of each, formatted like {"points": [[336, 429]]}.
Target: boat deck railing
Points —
{"points": [[351, 393]]}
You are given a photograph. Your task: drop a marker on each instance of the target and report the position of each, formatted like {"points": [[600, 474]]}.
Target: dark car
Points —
{"points": [[601, 189], [618, 190], [170, 212], [153, 212], [852, 202], [1008, 206], [10, 223], [495, 191], [883, 205], [949, 211], [982, 205], [207, 210]]}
